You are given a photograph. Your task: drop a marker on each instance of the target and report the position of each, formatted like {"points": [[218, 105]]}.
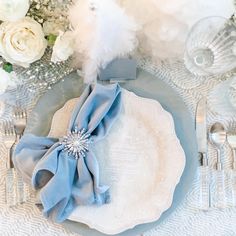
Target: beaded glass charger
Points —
{"points": [[146, 86]]}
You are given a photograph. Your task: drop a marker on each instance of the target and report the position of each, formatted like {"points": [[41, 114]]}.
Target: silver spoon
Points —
{"points": [[218, 136], [231, 138]]}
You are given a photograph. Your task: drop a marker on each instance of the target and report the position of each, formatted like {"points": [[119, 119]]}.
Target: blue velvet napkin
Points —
{"points": [[65, 170]]}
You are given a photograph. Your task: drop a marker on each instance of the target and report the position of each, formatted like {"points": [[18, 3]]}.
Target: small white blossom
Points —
{"points": [[6, 80], [63, 47], [13, 10]]}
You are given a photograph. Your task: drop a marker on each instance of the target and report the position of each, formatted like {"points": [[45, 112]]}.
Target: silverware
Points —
{"points": [[231, 138], [9, 140], [201, 133], [217, 136], [201, 130], [20, 120]]}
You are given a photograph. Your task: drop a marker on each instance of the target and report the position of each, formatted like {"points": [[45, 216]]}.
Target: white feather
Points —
{"points": [[103, 33]]}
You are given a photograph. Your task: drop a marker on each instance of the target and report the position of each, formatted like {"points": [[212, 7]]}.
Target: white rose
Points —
{"points": [[63, 47], [6, 80], [22, 42], [13, 10]]}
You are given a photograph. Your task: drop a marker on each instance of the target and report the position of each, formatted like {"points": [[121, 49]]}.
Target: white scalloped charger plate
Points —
{"points": [[135, 161], [148, 86]]}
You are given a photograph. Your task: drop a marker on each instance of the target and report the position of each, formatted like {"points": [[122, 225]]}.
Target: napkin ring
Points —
{"points": [[76, 143]]}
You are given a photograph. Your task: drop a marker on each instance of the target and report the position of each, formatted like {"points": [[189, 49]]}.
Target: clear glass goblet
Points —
{"points": [[209, 48]]}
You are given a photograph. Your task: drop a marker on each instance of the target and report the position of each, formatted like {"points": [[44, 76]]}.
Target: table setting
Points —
{"points": [[117, 117]]}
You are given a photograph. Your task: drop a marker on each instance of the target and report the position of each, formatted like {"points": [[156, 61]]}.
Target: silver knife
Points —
{"points": [[201, 130], [204, 173]]}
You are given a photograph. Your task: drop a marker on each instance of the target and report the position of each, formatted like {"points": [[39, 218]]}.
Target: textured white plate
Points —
{"points": [[141, 159]]}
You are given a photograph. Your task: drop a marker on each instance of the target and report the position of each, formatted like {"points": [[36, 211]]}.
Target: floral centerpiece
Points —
{"points": [[39, 37], [94, 31], [29, 29]]}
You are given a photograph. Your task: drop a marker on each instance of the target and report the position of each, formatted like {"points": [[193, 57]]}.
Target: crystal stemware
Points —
{"points": [[209, 48]]}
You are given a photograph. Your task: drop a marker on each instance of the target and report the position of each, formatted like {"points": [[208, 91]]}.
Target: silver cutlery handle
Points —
{"points": [[23, 192], [10, 184], [21, 189], [220, 200], [234, 159], [26, 192], [8, 160], [233, 187], [204, 195]]}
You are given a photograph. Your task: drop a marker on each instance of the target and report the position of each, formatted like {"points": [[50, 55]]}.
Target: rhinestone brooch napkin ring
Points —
{"points": [[76, 143]]}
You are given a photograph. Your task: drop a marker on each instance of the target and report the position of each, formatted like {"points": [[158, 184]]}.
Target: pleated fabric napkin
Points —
{"points": [[65, 169]]}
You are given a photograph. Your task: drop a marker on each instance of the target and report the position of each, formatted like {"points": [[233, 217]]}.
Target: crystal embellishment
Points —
{"points": [[76, 143]]}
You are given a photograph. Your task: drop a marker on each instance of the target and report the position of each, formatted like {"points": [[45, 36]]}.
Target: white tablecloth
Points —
{"points": [[186, 220]]}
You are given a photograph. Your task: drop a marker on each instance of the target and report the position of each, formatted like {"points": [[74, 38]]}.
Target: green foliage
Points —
{"points": [[51, 38], [7, 67]]}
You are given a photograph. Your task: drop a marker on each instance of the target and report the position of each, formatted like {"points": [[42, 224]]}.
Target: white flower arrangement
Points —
{"points": [[26, 24], [27, 28], [95, 31]]}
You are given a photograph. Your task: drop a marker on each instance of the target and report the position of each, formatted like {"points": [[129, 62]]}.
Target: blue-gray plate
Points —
{"points": [[146, 85]]}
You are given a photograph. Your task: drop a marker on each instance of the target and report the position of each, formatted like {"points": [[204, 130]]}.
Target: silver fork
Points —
{"points": [[20, 119], [10, 180]]}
